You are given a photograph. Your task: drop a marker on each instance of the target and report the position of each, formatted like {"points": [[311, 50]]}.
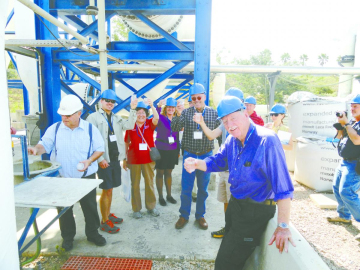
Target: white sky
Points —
{"points": [[307, 27]]}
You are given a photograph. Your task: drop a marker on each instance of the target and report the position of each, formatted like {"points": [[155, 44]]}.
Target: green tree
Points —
{"points": [[303, 59], [285, 58], [121, 32], [323, 59]]}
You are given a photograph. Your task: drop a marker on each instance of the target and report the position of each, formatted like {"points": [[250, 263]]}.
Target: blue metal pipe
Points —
{"points": [[26, 100], [9, 18], [152, 84], [27, 228]]}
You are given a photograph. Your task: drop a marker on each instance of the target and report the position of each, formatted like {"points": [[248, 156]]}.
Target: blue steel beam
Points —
{"points": [[9, 17], [81, 75], [79, 25], [184, 95], [152, 84], [147, 46], [151, 76], [202, 45], [161, 31], [122, 7], [80, 55], [172, 90]]}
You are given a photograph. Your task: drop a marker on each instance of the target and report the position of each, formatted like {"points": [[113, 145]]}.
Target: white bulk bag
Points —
{"points": [[315, 164]]}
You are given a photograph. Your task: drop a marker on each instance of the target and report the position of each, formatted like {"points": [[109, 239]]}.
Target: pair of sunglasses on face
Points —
{"points": [[109, 100], [275, 114], [195, 98]]}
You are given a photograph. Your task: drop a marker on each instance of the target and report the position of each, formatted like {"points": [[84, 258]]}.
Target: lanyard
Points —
{"points": [[139, 130], [198, 126], [110, 126], [170, 126]]}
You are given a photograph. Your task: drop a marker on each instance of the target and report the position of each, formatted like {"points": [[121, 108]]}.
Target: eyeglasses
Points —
{"points": [[274, 114], [109, 100], [195, 98], [67, 116]]}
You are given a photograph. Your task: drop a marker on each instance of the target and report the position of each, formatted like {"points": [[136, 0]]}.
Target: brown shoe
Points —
{"points": [[202, 223], [181, 223], [339, 219]]}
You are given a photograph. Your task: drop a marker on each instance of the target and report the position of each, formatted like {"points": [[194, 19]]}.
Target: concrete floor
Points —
{"points": [[149, 237]]}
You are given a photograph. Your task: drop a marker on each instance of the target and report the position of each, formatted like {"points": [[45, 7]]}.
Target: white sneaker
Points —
{"points": [[154, 212], [137, 215]]}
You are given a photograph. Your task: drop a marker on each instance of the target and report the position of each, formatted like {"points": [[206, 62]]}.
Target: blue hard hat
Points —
{"points": [[141, 104], [278, 108], [250, 100], [356, 100], [197, 88], [171, 102], [110, 94], [235, 92], [229, 104]]}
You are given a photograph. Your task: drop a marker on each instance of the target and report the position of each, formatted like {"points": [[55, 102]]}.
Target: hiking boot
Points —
{"points": [[218, 234], [109, 227], [67, 245], [162, 202], [137, 215], [170, 199], [154, 212], [339, 219], [114, 219], [97, 240]]}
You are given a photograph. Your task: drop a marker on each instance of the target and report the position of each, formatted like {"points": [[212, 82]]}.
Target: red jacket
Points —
{"points": [[257, 119]]}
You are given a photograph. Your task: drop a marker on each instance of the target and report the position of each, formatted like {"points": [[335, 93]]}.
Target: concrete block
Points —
{"points": [[327, 201]]}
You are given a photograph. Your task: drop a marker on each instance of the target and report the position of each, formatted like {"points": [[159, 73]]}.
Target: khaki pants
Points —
{"points": [[147, 171]]}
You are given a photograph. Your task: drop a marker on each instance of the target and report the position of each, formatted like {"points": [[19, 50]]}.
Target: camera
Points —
{"points": [[340, 114]]}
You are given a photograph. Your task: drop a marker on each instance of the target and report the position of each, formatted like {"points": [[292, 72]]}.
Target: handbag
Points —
{"points": [[154, 152]]}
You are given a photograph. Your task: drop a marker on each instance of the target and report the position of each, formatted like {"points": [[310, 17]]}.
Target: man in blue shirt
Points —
{"points": [[69, 144], [259, 179]]}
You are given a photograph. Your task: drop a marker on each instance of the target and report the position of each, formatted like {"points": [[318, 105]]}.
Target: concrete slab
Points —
{"points": [[327, 201], [148, 237]]}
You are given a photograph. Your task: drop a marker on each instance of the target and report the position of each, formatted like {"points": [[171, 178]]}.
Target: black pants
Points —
{"points": [[245, 224], [89, 208]]}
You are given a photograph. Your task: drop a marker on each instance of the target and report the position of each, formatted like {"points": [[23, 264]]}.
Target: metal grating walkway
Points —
{"points": [[98, 263]]}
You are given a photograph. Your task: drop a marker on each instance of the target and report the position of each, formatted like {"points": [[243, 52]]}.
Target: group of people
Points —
{"points": [[251, 162]]}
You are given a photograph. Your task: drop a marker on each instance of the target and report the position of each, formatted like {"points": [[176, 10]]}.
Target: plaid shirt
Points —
{"points": [[186, 121]]}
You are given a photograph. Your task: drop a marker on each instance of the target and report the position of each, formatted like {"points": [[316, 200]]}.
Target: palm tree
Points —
{"points": [[285, 58], [304, 58], [323, 59]]}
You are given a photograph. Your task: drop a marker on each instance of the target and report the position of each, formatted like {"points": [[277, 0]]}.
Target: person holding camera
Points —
{"points": [[347, 176]]}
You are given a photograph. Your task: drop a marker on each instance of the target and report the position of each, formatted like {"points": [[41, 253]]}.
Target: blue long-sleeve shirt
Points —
{"points": [[257, 170]]}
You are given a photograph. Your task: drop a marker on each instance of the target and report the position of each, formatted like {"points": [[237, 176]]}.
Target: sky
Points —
{"points": [[247, 27]]}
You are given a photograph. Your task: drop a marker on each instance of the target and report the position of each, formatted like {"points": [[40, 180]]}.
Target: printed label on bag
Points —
{"points": [[143, 146], [171, 140]]}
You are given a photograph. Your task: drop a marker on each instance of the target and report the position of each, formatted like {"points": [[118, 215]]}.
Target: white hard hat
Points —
{"points": [[69, 105]]}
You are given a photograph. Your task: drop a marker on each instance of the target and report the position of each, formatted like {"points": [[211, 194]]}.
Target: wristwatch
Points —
{"points": [[283, 225]]}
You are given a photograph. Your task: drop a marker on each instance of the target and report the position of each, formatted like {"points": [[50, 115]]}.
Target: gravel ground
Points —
{"points": [[333, 242]]}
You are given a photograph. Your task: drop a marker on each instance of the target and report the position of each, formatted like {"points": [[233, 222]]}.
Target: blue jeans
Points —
{"points": [[187, 184], [346, 183]]}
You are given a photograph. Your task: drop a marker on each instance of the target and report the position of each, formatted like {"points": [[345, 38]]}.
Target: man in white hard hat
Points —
{"points": [[75, 143]]}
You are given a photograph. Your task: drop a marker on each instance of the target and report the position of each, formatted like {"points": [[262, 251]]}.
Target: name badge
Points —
{"points": [[143, 146], [112, 138], [198, 135], [171, 140]]}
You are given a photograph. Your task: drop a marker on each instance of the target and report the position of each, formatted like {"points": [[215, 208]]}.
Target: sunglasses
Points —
{"points": [[195, 98], [109, 100], [274, 114]]}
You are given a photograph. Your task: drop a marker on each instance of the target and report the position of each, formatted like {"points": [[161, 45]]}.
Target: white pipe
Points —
{"points": [[9, 256], [53, 20], [102, 46], [246, 69]]}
